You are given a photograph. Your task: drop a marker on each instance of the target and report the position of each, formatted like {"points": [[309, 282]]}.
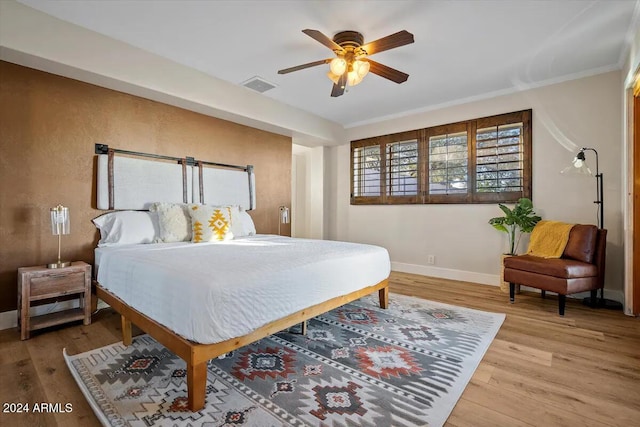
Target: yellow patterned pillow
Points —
{"points": [[210, 223]]}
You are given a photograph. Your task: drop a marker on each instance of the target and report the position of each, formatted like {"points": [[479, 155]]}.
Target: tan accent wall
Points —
{"points": [[48, 128]]}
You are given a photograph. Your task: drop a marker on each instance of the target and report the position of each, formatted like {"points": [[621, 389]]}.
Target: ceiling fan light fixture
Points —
{"points": [[361, 67], [353, 78], [333, 77], [338, 66]]}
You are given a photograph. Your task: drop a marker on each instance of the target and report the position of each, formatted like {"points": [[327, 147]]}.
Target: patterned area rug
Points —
{"points": [[358, 365]]}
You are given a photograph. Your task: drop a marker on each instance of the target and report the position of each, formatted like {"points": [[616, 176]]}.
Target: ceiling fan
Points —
{"points": [[351, 63]]}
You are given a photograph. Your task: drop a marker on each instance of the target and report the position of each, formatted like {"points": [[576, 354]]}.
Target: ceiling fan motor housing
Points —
{"points": [[349, 39]]}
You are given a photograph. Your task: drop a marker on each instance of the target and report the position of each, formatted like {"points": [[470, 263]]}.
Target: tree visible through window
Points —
{"points": [[483, 160], [366, 169], [402, 168], [499, 156], [448, 159]]}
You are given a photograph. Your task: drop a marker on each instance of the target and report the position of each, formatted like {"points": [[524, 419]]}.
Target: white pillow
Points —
{"points": [[211, 223], [242, 225], [127, 227], [174, 221]]}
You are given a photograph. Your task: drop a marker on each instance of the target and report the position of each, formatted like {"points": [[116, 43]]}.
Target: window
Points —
{"points": [[366, 169], [402, 168], [499, 152], [484, 160], [448, 163]]}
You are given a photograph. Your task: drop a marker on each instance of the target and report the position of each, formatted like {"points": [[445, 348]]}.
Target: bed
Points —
{"points": [[202, 300]]}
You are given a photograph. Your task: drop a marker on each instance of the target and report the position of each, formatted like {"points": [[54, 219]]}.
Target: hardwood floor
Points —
{"points": [[582, 369]]}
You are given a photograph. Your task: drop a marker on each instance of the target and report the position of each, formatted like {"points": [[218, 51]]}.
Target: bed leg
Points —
{"points": [[126, 331], [303, 328], [196, 385], [383, 294]]}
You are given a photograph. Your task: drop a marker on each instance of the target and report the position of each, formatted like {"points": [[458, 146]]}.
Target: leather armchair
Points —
{"points": [[580, 268]]}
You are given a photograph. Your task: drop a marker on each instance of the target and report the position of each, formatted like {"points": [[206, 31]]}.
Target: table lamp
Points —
{"points": [[283, 218], [59, 226]]}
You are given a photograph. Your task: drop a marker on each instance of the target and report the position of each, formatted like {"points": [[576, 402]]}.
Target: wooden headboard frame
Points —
{"points": [[139, 181]]}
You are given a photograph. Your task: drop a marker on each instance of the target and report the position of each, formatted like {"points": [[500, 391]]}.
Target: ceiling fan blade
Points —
{"points": [[398, 39], [318, 36], [338, 88], [303, 66], [386, 72]]}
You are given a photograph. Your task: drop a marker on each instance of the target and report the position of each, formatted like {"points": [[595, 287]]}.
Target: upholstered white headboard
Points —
{"points": [[225, 185], [135, 180]]}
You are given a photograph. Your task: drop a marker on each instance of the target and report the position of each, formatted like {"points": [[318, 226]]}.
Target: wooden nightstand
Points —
{"points": [[41, 283]]}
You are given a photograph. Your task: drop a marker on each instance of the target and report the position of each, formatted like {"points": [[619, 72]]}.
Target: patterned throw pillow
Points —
{"points": [[210, 223], [174, 222]]}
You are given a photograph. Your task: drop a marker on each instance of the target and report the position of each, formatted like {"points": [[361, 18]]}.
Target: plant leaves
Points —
{"points": [[500, 227], [520, 219], [505, 209]]}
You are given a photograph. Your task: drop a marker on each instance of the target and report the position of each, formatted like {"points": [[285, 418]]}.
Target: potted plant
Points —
{"points": [[515, 222]]}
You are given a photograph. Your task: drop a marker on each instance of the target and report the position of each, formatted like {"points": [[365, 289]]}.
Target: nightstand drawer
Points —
{"points": [[57, 284]]}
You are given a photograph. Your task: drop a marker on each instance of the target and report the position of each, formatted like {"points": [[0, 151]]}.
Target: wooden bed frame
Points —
{"points": [[196, 355]]}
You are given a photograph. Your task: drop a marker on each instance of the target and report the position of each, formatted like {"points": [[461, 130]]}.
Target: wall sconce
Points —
{"points": [[283, 218], [59, 225]]}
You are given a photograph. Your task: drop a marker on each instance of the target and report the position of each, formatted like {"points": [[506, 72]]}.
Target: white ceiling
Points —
{"points": [[462, 50]]}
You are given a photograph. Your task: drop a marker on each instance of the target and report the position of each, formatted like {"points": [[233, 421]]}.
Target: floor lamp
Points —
{"points": [[579, 166]]}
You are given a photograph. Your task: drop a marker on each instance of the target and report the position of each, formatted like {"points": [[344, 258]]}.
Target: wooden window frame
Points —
{"points": [[446, 198], [422, 136], [366, 200]]}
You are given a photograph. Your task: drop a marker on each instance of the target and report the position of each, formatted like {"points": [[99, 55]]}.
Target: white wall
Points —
{"points": [[307, 205], [566, 116]]}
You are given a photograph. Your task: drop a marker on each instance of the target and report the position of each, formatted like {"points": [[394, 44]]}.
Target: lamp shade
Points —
{"points": [[333, 77], [284, 215], [338, 66], [353, 78], [361, 67], [60, 223], [578, 166]]}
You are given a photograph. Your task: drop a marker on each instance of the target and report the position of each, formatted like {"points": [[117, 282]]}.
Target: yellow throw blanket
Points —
{"points": [[549, 238]]}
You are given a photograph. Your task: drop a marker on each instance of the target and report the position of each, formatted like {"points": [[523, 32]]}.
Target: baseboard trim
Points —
{"points": [[447, 273], [8, 319]]}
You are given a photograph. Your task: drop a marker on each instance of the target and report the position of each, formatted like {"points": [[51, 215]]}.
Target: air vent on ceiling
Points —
{"points": [[258, 84]]}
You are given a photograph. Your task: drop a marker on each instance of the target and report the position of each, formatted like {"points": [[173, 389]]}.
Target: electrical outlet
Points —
{"points": [[431, 259]]}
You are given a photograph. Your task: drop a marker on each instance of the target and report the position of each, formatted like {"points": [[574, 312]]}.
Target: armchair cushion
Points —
{"points": [[582, 243], [558, 267]]}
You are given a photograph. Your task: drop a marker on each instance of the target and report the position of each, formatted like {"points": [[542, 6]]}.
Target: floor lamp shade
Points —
{"points": [[60, 224], [579, 166]]}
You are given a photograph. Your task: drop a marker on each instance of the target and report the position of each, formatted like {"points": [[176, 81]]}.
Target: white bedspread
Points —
{"points": [[211, 292]]}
